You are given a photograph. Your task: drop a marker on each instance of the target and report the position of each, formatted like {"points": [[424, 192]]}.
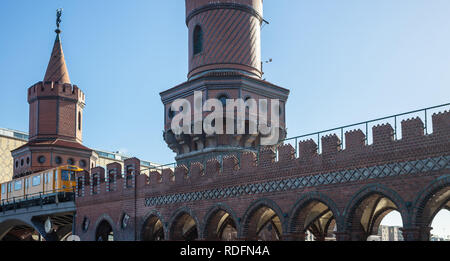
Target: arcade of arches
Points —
{"points": [[318, 216]]}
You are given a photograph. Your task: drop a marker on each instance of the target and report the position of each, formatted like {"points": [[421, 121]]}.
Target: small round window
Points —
{"points": [[41, 159], [21, 162]]}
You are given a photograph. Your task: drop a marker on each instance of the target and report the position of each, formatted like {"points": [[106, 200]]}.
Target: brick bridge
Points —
{"points": [[342, 192]]}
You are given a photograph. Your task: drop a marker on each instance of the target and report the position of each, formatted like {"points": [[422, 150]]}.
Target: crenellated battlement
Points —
{"points": [[53, 89], [441, 123], [305, 160], [331, 144], [413, 128], [355, 140], [383, 134]]}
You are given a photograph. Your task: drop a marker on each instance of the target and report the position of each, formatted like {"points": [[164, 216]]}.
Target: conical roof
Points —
{"points": [[57, 69]]}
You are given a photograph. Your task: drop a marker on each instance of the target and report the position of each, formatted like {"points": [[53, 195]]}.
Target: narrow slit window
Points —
{"points": [[79, 120]]}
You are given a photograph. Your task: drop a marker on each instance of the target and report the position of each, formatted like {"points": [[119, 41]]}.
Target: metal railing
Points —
{"points": [[38, 199], [394, 119], [340, 132], [160, 168]]}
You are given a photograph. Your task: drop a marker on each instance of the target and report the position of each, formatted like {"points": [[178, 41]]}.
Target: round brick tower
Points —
{"points": [[224, 35], [224, 64]]}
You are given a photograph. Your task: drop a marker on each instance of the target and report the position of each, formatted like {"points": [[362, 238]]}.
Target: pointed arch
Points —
{"points": [[313, 209], [184, 225], [256, 213], [100, 227], [377, 200], [218, 218], [424, 209], [151, 225]]}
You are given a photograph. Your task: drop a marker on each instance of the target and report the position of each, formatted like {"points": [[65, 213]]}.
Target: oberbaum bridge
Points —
{"points": [[336, 184]]}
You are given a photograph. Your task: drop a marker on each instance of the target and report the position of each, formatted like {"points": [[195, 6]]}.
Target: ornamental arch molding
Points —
{"points": [[109, 220], [143, 223], [313, 208], [225, 212], [174, 226], [248, 231], [432, 199], [379, 193]]}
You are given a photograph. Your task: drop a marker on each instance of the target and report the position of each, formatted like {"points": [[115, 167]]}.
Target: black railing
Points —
{"points": [[394, 120], [38, 199]]}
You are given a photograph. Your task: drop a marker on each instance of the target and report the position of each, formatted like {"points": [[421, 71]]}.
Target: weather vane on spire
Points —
{"points": [[58, 19]]}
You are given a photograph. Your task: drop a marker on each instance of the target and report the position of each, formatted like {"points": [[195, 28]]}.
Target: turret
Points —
{"points": [[55, 120], [224, 64]]}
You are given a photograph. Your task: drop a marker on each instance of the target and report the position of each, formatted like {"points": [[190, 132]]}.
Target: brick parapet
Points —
{"points": [[230, 171]]}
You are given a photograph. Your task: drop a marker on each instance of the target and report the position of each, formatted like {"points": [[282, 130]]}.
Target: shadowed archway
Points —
{"points": [[104, 232], [433, 199], [314, 213], [368, 208], [183, 226], [220, 224], [153, 229], [263, 221]]}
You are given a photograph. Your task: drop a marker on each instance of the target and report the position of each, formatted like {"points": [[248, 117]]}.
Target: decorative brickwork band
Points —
{"points": [[353, 175]]}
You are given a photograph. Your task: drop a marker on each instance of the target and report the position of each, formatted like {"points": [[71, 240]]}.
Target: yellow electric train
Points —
{"points": [[60, 179]]}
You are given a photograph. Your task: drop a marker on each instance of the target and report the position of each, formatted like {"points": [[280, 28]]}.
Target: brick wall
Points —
{"points": [[401, 170]]}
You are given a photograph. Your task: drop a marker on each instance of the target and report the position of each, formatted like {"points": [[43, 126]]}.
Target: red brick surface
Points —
{"points": [[404, 190]]}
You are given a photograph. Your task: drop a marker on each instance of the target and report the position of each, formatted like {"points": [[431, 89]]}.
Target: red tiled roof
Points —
{"points": [[56, 143]]}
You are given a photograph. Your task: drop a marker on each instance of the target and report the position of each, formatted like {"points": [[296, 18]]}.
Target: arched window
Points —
{"points": [[223, 99], [198, 40], [79, 120]]}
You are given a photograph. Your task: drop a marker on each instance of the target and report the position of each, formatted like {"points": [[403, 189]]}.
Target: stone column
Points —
{"points": [[296, 236], [342, 236], [416, 233]]}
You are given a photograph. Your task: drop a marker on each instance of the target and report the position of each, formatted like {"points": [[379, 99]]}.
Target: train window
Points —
{"points": [[3, 188], [36, 181], [65, 175], [27, 183], [17, 185], [50, 176], [72, 176]]}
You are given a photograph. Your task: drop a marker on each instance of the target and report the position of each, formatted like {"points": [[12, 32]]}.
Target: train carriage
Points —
{"points": [[60, 179]]}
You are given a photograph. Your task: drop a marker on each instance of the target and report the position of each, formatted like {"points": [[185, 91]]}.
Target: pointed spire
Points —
{"points": [[57, 69]]}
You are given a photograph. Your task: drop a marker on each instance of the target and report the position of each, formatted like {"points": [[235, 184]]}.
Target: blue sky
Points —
{"points": [[344, 61]]}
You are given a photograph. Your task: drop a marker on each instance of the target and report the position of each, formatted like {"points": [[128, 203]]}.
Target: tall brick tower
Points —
{"points": [[55, 121], [224, 63]]}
